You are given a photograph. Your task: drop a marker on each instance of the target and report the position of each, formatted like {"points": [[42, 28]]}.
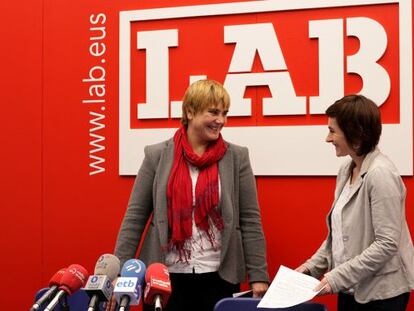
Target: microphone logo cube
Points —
{"points": [[99, 285], [95, 282], [128, 286]]}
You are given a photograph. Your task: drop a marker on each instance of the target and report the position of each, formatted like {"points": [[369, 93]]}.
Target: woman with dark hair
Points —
{"points": [[368, 256]]}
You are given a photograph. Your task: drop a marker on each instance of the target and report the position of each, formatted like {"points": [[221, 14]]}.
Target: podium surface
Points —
{"points": [[250, 304]]}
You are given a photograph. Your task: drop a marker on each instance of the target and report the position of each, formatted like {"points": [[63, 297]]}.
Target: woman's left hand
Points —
{"points": [[259, 289], [326, 288]]}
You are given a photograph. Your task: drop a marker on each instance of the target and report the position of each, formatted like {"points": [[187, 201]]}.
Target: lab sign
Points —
{"points": [[282, 62]]}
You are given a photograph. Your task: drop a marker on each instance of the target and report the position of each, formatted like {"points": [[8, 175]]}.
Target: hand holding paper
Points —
{"points": [[289, 288], [324, 288]]}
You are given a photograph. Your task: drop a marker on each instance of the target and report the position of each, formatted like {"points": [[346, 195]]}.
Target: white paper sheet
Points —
{"points": [[239, 294], [289, 288]]}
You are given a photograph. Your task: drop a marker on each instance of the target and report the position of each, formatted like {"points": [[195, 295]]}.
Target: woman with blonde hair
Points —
{"points": [[201, 191]]}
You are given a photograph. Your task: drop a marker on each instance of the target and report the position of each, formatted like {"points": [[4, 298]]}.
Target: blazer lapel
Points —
{"points": [[364, 169], [343, 178], [160, 192], [341, 181], [355, 187], [227, 192]]}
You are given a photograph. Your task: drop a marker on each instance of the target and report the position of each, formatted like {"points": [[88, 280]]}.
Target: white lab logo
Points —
{"points": [[274, 150]]}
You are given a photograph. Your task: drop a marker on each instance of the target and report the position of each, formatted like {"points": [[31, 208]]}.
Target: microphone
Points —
{"points": [[128, 287], [53, 288], [99, 286], [158, 288], [72, 280]]}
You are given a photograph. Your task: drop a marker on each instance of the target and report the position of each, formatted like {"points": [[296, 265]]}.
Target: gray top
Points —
{"points": [[377, 243], [243, 243]]}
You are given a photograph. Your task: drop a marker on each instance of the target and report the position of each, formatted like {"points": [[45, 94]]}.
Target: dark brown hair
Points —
{"points": [[360, 120]]}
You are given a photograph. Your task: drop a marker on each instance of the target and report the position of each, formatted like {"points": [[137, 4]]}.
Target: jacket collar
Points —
{"points": [[345, 173], [366, 164]]}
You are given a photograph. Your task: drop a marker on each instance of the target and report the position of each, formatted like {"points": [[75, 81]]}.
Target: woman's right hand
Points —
{"points": [[303, 269]]}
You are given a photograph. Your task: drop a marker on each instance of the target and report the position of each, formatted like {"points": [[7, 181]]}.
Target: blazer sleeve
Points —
{"points": [[318, 264], [139, 209], [250, 223], [386, 194]]}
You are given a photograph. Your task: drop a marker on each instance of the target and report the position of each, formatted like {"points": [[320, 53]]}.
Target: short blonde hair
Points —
{"points": [[203, 94]]}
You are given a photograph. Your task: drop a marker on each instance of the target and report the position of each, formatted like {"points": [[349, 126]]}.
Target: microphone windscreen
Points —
{"points": [[158, 284], [56, 278], [134, 268], [73, 279], [108, 265], [157, 270]]}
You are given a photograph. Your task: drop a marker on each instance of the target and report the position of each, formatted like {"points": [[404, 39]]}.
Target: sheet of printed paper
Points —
{"points": [[289, 288], [239, 294]]}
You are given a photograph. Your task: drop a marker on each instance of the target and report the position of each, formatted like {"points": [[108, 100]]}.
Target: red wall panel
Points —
{"points": [[54, 212], [21, 153]]}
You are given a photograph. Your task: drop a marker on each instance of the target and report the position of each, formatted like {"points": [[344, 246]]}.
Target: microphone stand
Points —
{"points": [[157, 303], [65, 304]]}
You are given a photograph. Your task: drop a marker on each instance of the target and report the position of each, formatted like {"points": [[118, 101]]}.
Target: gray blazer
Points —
{"points": [[378, 245], [243, 244]]}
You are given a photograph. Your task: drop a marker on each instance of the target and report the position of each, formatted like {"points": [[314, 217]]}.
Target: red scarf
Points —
{"points": [[179, 191]]}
